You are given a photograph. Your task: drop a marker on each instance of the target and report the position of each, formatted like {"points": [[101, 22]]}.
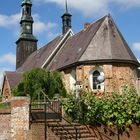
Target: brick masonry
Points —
{"points": [[37, 132], [6, 90], [116, 75], [14, 124], [5, 121], [132, 135], [19, 118]]}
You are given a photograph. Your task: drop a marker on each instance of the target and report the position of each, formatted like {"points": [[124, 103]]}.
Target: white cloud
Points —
{"points": [[52, 35], [129, 3], [92, 7], [8, 58], [136, 46], [8, 21], [39, 26]]}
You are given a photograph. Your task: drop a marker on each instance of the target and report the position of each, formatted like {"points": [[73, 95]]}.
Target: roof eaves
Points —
{"points": [[107, 61]]}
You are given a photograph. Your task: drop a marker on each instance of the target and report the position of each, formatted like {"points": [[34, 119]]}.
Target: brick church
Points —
{"points": [[99, 49]]}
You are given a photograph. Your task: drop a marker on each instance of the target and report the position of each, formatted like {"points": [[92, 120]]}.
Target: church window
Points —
{"points": [[95, 76]]}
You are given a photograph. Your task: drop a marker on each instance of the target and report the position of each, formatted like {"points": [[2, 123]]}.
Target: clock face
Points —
{"points": [[28, 27]]}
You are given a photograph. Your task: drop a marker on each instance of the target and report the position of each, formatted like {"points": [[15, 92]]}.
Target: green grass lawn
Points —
{"points": [[4, 106]]}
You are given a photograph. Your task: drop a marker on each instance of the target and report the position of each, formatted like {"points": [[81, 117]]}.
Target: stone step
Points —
{"points": [[68, 132], [74, 138], [64, 125], [68, 128], [72, 133]]}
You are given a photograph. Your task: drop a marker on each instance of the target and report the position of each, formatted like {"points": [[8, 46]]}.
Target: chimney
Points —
{"points": [[86, 25]]}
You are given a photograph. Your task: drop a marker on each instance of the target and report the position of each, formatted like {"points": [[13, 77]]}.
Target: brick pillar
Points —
{"points": [[20, 118]]}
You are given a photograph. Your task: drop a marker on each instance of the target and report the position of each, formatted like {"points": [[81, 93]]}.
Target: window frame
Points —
{"points": [[102, 85]]}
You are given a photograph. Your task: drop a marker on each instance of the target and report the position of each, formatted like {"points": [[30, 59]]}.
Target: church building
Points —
{"points": [[97, 57]]}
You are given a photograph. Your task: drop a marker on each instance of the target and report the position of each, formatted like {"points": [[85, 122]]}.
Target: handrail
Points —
{"points": [[49, 101], [117, 134], [46, 96], [101, 133], [64, 120], [76, 130], [106, 127]]}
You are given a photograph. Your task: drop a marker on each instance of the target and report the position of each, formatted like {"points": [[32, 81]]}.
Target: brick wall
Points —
{"points": [[14, 122], [6, 92], [37, 132], [134, 133], [5, 116], [116, 75]]}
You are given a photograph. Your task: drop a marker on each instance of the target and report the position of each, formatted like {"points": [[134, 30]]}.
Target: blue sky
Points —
{"points": [[47, 16]]}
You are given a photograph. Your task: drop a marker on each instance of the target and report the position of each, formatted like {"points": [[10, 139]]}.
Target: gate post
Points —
{"points": [[20, 118]]}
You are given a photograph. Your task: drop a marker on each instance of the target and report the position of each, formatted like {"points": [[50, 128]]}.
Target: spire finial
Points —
{"points": [[66, 6]]}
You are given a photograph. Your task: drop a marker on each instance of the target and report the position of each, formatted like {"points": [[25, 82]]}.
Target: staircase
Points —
{"points": [[71, 131], [47, 123]]}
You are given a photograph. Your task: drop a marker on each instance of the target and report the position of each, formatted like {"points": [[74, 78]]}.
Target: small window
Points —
{"points": [[28, 10], [95, 76]]}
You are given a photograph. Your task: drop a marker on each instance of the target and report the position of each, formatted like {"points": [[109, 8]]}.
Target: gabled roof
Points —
{"points": [[75, 46], [101, 42], [13, 78]]}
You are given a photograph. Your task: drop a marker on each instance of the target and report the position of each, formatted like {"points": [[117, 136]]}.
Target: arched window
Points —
{"points": [[95, 82], [93, 74]]}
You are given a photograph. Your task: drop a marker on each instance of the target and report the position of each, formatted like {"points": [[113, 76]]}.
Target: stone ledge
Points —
{"points": [[5, 111], [20, 101]]}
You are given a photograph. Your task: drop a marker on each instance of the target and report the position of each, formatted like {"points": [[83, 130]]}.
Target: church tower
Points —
{"points": [[27, 43], [66, 20]]}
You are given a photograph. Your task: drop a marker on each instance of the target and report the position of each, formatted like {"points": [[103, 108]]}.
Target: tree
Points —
{"points": [[39, 81]]}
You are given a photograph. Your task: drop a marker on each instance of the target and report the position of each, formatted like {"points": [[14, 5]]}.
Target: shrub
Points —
{"points": [[38, 82], [119, 110]]}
